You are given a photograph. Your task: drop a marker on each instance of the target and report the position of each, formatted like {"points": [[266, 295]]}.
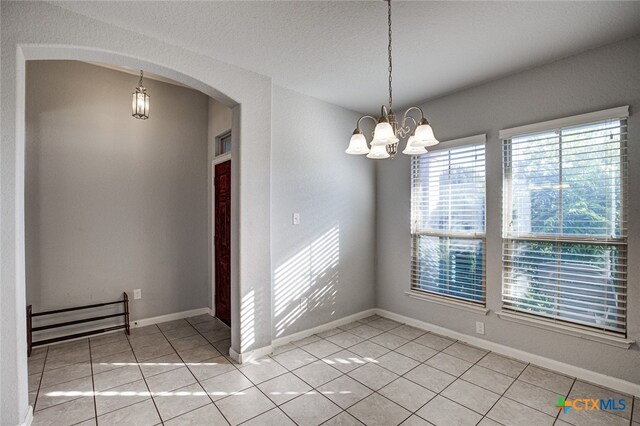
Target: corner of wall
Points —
{"points": [[376, 224]]}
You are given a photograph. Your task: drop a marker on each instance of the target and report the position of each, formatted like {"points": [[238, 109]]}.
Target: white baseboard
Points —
{"points": [[28, 419], [235, 356], [266, 350], [561, 367], [170, 317], [319, 329], [248, 356]]}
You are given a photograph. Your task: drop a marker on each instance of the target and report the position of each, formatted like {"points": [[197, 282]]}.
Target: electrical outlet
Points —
{"points": [[479, 327], [303, 303], [137, 293], [296, 218]]}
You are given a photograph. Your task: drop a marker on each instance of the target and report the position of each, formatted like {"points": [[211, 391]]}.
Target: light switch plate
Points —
{"points": [[137, 293], [296, 218]]}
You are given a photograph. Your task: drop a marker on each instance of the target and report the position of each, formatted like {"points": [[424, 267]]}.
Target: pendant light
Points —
{"points": [[140, 101], [388, 131]]}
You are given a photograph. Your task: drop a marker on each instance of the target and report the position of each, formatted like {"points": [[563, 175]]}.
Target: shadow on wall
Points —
{"points": [[307, 281]]}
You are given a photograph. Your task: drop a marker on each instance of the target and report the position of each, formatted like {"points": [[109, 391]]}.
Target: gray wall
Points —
{"points": [[329, 257], [114, 203], [591, 81]]}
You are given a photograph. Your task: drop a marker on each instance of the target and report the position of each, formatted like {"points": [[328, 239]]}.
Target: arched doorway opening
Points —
{"points": [[250, 236]]}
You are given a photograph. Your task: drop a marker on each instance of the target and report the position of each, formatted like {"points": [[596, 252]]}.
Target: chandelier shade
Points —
{"points": [[388, 130], [358, 145], [384, 133], [424, 136], [412, 148], [378, 152], [378, 142]]}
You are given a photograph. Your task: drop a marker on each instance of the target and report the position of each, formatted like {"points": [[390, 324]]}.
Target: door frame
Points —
{"points": [[212, 283]]}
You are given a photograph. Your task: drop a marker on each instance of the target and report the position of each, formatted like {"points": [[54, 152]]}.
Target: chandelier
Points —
{"points": [[140, 101], [388, 131]]}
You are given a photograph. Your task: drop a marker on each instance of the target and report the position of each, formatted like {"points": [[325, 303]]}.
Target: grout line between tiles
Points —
{"points": [[505, 391], [373, 392], [276, 406], [40, 388], [198, 381], [568, 392], [93, 385], [145, 381], [44, 363], [313, 389]]}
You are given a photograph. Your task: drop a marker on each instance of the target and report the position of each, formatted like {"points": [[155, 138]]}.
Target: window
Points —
{"points": [[223, 143], [564, 232], [448, 221]]}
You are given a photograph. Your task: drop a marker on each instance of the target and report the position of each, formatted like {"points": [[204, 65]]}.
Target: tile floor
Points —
{"points": [[374, 371]]}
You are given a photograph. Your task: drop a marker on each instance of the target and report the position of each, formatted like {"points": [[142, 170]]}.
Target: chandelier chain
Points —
{"points": [[390, 59], [140, 82]]}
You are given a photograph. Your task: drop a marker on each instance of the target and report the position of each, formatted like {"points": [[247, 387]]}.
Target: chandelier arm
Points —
{"points": [[406, 115], [407, 128], [366, 116]]}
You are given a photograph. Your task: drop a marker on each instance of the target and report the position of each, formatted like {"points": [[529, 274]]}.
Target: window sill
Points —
{"points": [[448, 302], [566, 329]]}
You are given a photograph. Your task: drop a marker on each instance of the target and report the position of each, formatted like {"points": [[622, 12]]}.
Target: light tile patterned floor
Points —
{"points": [[374, 372]]}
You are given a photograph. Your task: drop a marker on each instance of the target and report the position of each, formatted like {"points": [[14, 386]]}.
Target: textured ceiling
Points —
{"points": [[336, 51]]}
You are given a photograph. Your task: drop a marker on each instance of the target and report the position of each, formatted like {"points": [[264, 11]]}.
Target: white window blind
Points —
{"points": [[448, 223], [564, 229]]}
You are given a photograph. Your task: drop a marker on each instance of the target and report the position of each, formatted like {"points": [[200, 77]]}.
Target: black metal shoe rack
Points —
{"points": [[30, 329]]}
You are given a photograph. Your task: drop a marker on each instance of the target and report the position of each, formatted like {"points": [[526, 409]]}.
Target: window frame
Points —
{"points": [[465, 304], [507, 239], [219, 143]]}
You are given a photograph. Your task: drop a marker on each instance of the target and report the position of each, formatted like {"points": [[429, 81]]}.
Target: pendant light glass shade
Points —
{"points": [[140, 105], [424, 136], [378, 152], [412, 149], [140, 102], [357, 145], [384, 133]]}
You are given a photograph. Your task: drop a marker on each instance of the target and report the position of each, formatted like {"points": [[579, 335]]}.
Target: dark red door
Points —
{"points": [[222, 238]]}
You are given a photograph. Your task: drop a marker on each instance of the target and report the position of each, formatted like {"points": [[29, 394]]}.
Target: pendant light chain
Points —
{"points": [[390, 59], [140, 82]]}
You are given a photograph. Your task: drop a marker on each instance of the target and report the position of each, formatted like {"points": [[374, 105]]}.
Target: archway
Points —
{"points": [[30, 36]]}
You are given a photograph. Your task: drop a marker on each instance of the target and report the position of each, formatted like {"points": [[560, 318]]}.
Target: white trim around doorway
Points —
{"points": [[221, 159]]}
